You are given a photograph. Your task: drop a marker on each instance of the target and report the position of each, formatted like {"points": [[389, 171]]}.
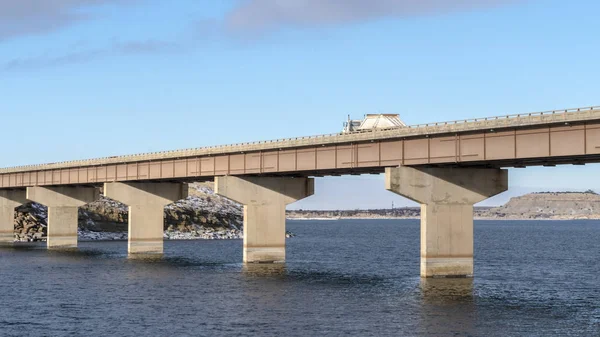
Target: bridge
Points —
{"points": [[446, 167]]}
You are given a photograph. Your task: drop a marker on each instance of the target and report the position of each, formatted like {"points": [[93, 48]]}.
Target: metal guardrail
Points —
{"points": [[546, 117]]}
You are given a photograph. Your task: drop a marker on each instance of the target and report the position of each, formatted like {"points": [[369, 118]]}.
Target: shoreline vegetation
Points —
{"points": [[205, 215]]}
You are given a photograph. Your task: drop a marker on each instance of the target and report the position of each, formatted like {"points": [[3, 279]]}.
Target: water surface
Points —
{"points": [[342, 278]]}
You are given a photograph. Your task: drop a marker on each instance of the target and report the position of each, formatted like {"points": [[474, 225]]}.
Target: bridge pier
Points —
{"points": [[146, 203], [447, 196], [9, 200], [63, 203], [264, 200]]}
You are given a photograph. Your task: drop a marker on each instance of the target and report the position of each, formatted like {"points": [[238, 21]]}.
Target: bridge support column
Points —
{"points": [[264, 200], [63, 203], [9, 200], [447, 196], [146, 203]]}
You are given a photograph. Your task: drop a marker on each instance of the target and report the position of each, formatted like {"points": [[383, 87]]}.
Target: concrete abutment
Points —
{"points": [[146, 202], [447, 196], [264, 200], [9, 200], [63, 203]]}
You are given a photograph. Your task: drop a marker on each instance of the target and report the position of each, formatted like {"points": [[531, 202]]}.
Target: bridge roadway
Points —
{"points": [[447, 167]]}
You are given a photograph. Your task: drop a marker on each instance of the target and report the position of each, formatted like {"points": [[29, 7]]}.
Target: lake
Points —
{"points": [[342, 278]]}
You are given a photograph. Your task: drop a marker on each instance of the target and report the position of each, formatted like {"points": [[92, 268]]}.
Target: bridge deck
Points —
{"points": [[566, 136]]}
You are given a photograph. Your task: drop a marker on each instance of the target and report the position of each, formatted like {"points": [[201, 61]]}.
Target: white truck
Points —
{"points": [[373, 121]]}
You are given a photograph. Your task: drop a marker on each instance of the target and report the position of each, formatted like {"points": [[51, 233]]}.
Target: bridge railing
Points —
{"points": [[507, 120], [556, 116]]}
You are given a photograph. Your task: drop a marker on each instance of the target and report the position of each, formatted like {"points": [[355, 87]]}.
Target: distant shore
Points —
{"points": [[418, 218], [533, 206]]}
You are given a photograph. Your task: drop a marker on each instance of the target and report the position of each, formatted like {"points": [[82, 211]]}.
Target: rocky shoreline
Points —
{"points": [[203, 215], [201, 234]]}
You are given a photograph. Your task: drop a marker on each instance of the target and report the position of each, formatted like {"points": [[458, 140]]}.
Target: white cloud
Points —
{"points": [[26, 17], [265, 15]]}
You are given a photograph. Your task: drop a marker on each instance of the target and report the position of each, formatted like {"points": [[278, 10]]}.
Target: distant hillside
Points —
{"points": [[550, 205]]}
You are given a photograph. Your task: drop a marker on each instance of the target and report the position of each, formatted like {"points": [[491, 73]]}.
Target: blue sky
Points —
{"points": [[91, 78]]}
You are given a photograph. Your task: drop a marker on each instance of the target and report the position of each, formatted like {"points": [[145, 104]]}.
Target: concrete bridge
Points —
{"points": [[446, 167]]}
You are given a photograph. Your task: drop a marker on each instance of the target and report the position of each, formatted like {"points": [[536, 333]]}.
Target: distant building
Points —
{"points": [[373, 121]]}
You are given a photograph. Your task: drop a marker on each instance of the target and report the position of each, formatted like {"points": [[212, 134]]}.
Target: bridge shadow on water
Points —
{"points": [[288, 272], [292, 272], [279, 272], [161, 260], [25, 246], [427, 291], [58, 252], [285, 272]]}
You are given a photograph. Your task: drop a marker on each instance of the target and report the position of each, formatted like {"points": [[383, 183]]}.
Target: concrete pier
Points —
{"points": [[264, 200], [63, 203], [447, 196], [9, 200], [146, 203]]}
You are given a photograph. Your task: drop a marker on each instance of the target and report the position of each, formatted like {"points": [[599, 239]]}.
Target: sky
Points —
{"points": [[93, 78]]}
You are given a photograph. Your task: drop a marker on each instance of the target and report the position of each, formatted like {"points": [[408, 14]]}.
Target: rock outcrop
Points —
{"points": [[203, 214], [549, 205], [30, 222]]}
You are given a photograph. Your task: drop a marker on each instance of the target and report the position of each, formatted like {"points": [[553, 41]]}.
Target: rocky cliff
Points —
{"points": [[549, 205]]}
